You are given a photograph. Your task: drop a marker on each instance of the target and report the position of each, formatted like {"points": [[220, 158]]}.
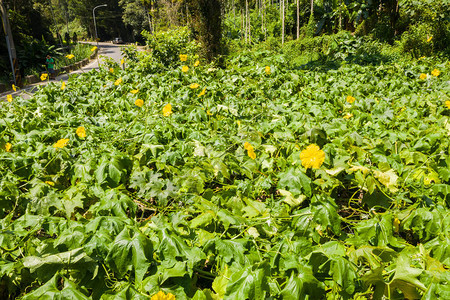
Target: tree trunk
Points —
{"points": [[247, 22], [207, 18], [263, 27], [312, 7], [298, 19], [282, 22]]}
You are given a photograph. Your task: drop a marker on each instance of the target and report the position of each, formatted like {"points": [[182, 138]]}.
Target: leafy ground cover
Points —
{"points": [[250, 182]]}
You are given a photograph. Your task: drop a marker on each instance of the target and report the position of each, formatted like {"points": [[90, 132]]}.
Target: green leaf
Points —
{"points": [[343, 273], [248, 283], [51, 290], [295, 181], [45, 267], [172, 249], [289, 198], [303, 285], [131, 250], [406, 278], [202, 220]]}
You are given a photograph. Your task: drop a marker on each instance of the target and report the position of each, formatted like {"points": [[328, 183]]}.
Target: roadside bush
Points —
{"points": [[166, 46], [427, 25], [80, 52]]}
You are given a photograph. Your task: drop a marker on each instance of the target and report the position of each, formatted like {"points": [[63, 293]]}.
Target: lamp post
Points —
{"points": [[95, 24]]}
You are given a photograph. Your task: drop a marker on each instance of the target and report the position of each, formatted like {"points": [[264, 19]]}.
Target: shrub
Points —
{"points": [[166, 46]]}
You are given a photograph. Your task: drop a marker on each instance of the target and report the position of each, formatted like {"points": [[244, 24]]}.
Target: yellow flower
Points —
{"points": [[184, 69], [8, 147], [70, 56], [348, 116], [139, 102], [435, 72], [267, 70], [194, 85], [312, 157], [63, 85], [167, 110], [162, 296], [94, 48], [14, 88], [61, 143], [350, 99], [9, 98], [209, 113], [429, 39], [202, 92], [447, 103], [396, 224], [51, 183], [44, 76], [81, 132], [111, 70], [183, 57], [134, 92], [197, 63], [250, 150], [251, 154], [423, 76], [122, 61], [118, 81]]}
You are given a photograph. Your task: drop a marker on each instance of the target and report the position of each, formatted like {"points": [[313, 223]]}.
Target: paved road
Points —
{"points": [[105, 49]]}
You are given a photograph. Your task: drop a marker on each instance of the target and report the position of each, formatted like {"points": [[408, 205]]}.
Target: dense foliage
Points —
{"points": [[415, 27], [203, 183]]}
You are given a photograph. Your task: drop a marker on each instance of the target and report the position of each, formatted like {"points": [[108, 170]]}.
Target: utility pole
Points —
{"points": [[10, 45]]}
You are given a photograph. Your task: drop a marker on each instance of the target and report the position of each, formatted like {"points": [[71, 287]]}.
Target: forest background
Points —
{"points": [[302, 29]]}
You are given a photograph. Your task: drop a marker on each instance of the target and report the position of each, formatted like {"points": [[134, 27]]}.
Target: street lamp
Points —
{"points": [[95, 25]]}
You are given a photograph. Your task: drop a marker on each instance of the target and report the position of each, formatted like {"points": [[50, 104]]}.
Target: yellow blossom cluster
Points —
{"points": [[183, 57], [81, 132], [61, 143], [250, 151], [139, 102], [118, 81], [202, 93], [435, 72], [312, 157], [167, 110], [162, 296]]}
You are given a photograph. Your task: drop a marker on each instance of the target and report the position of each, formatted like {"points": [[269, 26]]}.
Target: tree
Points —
{"points": [[136, 16], [207, 22]]}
